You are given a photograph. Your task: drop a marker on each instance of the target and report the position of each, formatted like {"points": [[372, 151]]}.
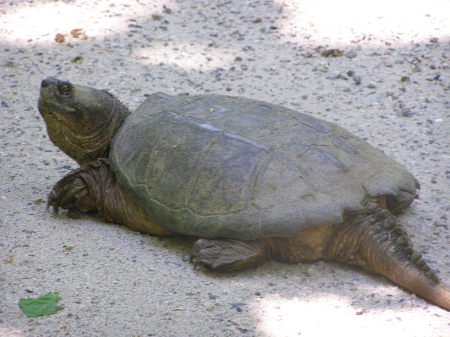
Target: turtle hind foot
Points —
{"points": [[229, 254]]}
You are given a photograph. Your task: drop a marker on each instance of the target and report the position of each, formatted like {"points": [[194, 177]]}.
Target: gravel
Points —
{"points": [[387, 81]]}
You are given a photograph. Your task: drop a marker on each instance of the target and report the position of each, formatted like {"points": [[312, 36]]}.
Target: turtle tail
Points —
{"points": [[375, 241]]}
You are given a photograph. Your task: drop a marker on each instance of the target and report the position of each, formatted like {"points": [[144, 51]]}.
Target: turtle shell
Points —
{"points": [[229, 167]]}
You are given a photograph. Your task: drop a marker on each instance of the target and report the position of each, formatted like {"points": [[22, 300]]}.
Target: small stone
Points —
{"points": [[77, 59], [407, 112], [335, 75], [404, 79], [332, 53], [237, 306], [78, 33], [351, 54], [357, 79], [212, 296], [39, 201], [59, 38]]}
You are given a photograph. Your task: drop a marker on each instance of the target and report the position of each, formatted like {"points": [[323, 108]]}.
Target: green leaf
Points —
{"points": [[40, 306]]}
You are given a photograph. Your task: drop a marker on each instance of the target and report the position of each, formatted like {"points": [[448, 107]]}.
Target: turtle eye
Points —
{"points": [[64, 88]]}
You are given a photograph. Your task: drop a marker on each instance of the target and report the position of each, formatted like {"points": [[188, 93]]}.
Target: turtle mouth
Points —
{"points": [[55, 109]]}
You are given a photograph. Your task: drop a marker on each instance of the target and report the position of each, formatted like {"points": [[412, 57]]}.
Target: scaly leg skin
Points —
{"points": [[93, 188], [370, 239], [375, 241], [229, 254]]}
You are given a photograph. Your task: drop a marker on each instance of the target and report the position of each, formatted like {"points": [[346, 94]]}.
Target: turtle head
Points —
{"points": [[80, 120]]}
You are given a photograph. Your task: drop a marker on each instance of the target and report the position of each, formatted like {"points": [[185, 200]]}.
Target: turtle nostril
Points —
{"points": [[45, 83], [48, 82]]}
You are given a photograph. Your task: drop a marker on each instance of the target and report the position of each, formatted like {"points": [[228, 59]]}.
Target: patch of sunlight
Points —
{"points": [[39, 22], [187, 56], [331, 315], [375, 22], [11, 332]]}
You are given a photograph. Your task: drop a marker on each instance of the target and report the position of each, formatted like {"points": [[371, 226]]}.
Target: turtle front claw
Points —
{"points": [[52, 202], [72, 193]]}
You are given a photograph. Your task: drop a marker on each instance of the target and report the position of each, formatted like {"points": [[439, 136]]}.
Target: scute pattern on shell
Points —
{"points": [[220, 166]]}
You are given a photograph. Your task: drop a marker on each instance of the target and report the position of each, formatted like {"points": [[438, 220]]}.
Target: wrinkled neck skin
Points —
{"points": [[84, 146]]}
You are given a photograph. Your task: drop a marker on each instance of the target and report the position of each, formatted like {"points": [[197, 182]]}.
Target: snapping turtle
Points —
{"points": [[252, 180]]}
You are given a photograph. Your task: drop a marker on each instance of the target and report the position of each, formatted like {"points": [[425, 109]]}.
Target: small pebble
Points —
{"points": [[212, 296], [357, 79], [237, 306], [407, 112], [351, 54]]}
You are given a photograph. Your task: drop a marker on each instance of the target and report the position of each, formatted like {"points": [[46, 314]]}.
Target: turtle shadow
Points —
{"points": [[328, 278], [290, 281], [370, 292]]}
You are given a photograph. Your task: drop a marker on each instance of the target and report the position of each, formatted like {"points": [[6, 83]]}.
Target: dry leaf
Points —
{"points": [[78, 33], [59, 38]]}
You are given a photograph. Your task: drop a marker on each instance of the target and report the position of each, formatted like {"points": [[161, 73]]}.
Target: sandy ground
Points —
{"points": [[390, 85]]}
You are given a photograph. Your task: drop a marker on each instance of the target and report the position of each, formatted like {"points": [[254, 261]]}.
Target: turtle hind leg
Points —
{"points": [[229, 254], [375, 241]]}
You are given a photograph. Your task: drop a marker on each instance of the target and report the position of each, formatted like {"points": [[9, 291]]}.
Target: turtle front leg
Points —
{"points": [[79, 191], [93, 188], [229, 254]]}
